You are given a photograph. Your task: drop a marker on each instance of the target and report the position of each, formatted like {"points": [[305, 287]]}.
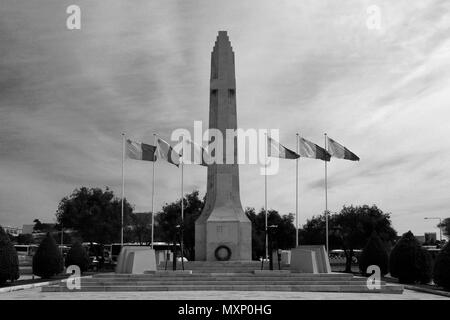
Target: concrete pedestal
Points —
{"points": [[136, 260], [310, 259]]}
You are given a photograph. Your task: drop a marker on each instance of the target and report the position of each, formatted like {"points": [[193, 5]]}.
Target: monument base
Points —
{"points": [[310, 259], [136, 260], [223, 240]]}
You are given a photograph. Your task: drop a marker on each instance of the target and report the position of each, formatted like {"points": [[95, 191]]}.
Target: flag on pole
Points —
{"points": [[196, 154], [166, 152], [339, 151], [276, 149], [140, 151], [309, 149]]}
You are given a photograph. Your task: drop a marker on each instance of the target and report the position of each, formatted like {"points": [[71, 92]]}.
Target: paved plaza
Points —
{"points": [[36, 294]]}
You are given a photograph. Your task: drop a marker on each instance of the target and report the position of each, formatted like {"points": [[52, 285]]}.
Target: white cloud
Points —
{"points": [[308, 67]]}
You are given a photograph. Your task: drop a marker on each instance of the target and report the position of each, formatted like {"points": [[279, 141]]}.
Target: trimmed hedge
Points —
{"points": [[77, 255], [409, 262], [374, 253], [9, 261], [441, 272], [47, 261]]}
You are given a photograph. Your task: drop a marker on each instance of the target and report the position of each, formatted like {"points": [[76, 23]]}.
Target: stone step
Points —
{"points": [[235, 276], [218, 265], [208, 277], [237, 282], [187, 266], [194, 280], [215, 262], [227, 276], [225, 281], [219, 271], [298, 288], [267, 281]]}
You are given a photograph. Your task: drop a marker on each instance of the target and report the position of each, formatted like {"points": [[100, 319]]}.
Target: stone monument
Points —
{"points": [[223, 231]]}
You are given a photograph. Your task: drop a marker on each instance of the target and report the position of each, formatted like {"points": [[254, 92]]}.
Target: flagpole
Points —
{"points": [[182, 174], [123, 188], [296, 191], [153, 192], [265, 197], [326, 199], [182, 198]]}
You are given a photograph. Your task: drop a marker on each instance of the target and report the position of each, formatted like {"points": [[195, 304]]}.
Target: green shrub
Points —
{"points": [[441, 272], [409, 262], [9, 261], [77, 255], [374, 253], [47, 260]]}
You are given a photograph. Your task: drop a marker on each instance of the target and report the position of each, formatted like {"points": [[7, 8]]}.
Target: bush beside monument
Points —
{"points": [[9, 261], [48, 261], [409, 262]]}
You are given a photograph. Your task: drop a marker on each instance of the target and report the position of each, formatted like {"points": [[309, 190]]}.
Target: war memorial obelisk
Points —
{"points": [[223, 231]]}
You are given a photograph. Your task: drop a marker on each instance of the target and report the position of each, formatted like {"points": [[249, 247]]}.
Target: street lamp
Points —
{"points": [[440, 227]]}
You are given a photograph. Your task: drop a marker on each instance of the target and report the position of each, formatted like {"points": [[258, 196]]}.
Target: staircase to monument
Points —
{"points": [[219, 266], [225, 276]]}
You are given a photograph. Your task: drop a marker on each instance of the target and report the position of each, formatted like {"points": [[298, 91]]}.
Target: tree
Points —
{"points": [[9, 261], [170, 216], [47, 260], [12, 239], [43, 227], [313, 232], [441, 274], [356, 224], [77, 255], [38, 226], [349, 230], [409, 262], [95, 214], [258, 234], [284, 235], [445, 227], [140, 228], [25, 239], [374, 253]]}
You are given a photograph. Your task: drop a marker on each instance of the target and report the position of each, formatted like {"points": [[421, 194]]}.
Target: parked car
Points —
{"points": [[96, 255], [25, 253], [94, 263]]}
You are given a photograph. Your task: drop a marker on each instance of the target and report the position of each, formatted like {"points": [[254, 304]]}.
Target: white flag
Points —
{"points": [[166, 152]]}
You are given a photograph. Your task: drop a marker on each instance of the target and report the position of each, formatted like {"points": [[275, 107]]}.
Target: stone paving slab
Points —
{"points": [[36, 294]]}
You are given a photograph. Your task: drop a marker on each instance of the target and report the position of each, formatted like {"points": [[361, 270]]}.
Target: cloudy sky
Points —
{"points": [[301, 66]]}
